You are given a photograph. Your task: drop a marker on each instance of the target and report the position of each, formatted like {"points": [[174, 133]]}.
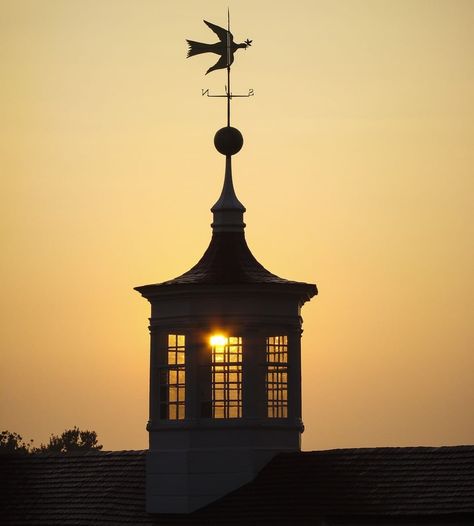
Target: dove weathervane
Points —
{"points": [[226, 47]]}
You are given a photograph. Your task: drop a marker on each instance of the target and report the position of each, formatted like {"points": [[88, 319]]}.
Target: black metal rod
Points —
{"points": [[228, 96], [228, 67]]}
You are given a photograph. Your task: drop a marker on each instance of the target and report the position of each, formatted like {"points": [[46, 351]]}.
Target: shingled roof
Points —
{"points": [[228, 260], [344, 486]]}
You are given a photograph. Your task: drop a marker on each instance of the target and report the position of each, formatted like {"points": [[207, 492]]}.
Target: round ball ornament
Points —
{"points": [[228, 141]]}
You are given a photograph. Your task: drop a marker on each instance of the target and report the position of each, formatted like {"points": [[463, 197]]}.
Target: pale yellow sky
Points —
{"points": [[357, 174]]}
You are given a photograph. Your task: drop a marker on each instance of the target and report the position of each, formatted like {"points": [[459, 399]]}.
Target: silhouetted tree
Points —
{"points": [[70, 440], [13, 443]]}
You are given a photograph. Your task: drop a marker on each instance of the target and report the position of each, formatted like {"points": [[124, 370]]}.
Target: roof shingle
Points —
{"points": [[109, 488], [228, 260]]}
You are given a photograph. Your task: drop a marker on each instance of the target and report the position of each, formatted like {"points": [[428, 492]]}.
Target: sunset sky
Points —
{"points": [[357, 173]]}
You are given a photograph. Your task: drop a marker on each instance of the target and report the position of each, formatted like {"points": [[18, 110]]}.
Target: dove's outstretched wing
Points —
{"points": [[221, 63], [220, 32]]}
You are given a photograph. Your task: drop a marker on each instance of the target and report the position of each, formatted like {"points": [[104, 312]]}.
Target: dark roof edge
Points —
{"points": [[386, 448], [306, 290], [139, 452]]}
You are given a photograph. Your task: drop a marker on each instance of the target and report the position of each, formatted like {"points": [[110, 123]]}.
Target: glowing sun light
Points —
{"points": [[218, 340]]}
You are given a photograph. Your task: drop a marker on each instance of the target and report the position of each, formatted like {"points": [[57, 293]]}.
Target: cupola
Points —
{"points": [[225, 366]]}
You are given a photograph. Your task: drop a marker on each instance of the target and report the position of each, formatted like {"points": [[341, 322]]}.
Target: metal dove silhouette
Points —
{"points": [[226, 47]]}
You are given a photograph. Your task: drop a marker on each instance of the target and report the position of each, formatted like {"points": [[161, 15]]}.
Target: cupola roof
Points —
{"points": [[228, 259]]}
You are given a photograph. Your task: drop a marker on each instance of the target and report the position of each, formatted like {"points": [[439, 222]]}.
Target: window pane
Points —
{"points": [[219, 357], [173, 394]]}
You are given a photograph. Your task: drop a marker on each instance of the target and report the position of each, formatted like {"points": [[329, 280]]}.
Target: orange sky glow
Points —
{"points": [[357, 173]]}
